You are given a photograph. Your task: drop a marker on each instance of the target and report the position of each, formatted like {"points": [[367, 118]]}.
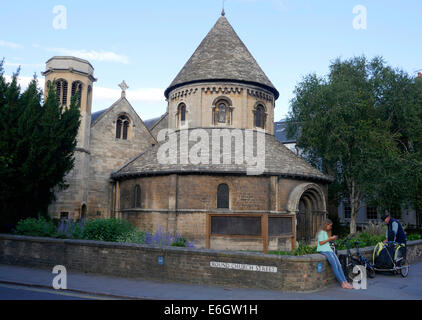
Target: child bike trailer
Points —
{"points": [[390, 257]]}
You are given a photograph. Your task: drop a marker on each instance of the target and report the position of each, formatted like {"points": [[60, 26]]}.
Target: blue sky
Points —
{"points": [[146, 43]]}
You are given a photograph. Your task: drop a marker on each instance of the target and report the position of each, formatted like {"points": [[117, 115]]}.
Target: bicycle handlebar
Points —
{"points": [[345, 240]]}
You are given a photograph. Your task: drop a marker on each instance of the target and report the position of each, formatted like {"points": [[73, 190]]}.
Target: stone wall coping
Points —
{"points": [[370, 249], [190, 251]]}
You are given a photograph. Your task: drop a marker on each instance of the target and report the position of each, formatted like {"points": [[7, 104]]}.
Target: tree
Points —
{"points": [[345, 120], [37, 143]]}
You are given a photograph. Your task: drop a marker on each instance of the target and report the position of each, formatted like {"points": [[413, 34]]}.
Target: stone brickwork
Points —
{"points": [[180, 264], [161, 124], [74, 70], [180, 204], [200, 192], [154, 193], [109, 153], [200, 101]]}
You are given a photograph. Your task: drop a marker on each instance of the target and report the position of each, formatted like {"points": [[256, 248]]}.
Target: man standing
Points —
{"points": [[395, 232]]}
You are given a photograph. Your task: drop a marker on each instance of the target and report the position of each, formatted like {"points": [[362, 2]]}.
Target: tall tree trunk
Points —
{"points": [[355, 206]]}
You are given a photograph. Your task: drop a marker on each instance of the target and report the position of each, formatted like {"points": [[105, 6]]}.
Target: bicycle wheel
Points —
{"points": [[370, 271], [404, 271], [351, 275]]}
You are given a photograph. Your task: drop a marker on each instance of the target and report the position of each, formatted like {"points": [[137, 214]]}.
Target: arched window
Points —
{"points": [[119, 129], [61, 91], [77, 90], [122, 128], [137, 196], [260, 117], [222, 113], [223, 196], [83, 212], [125, 129], [181, 114]]}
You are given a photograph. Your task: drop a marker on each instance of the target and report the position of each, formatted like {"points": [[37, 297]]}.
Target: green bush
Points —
{"points": [[305, 249], [106, 229], [302, 250], [413, 236], [134, 236], [365, 239], [76, 231], [180, 242], [35, 228]]}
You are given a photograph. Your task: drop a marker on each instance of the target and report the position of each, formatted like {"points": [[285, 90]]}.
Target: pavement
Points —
{"points": [[22, 283]]}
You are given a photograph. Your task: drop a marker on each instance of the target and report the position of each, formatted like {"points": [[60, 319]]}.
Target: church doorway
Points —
{"points": [[308, 201], [303, 217]]}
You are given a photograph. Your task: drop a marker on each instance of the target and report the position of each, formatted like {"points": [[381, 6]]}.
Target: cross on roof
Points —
{"points": [[124, 87]]}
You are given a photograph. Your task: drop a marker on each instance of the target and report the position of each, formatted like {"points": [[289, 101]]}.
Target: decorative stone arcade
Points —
{"points": [[308, 202]]}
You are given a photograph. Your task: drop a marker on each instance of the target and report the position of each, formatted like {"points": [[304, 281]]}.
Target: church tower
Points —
{"points": [[222, 86], [73, 76]]}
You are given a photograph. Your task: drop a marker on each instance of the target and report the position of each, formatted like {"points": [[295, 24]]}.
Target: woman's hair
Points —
{"points": [[324, 224]]}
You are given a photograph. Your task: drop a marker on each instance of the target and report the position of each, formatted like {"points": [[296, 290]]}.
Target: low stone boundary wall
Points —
{"points": [[197, 266]]}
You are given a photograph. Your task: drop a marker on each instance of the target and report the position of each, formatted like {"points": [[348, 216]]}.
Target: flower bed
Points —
{"points": [[108, 230]]}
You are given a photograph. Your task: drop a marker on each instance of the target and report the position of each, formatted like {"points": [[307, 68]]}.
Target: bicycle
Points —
{"points": [[370, 271], [347, 261]]}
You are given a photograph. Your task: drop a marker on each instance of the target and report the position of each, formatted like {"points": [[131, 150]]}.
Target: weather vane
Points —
{"points": [[223, 13]]}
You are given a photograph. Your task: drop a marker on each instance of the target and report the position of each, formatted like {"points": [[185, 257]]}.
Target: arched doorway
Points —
{"points": [[302, 219], [308, 202]]}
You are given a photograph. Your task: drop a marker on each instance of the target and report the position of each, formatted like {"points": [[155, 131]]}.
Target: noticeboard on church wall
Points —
{"points": [[236, 226], [279, 226], [251, 226]]}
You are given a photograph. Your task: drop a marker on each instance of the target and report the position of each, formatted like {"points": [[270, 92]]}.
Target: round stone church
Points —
{"points": [[215, 173]]}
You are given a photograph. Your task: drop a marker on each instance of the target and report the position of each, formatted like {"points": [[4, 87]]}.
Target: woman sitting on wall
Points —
{"points": [[325, 249]]}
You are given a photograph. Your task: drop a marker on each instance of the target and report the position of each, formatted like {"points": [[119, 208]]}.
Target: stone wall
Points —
{"points": [[198, 192], [161, 124], [180, 203], [180, 264], [197, 266], [109, 153], [200, 98], [71, 69]]}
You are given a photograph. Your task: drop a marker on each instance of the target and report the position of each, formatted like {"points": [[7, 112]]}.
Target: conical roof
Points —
{"points": [[222, 56], [278, 159]]}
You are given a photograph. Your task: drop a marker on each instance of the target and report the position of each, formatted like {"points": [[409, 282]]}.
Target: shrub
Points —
{"points": [[111, 230], [35, 228], [413, 236], [375, 228], [134, 236], [179, 242], [68, 229], [160, 238], [303, 249], [365, 239], [106, 229]]}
